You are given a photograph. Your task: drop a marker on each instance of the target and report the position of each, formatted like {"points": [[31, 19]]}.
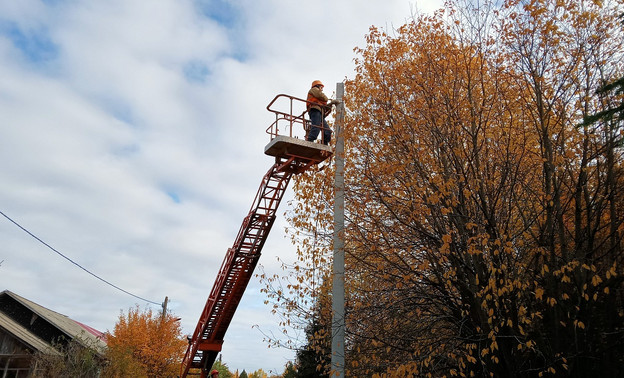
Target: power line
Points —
{"points": [[75, 263]]}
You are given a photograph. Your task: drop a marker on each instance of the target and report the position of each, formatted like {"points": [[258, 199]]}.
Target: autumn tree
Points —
{"points": [[260, 373], [313, 359], [302, 300], [145, 344], [611, 93], [290, 370], [73, 358], [485, 219]]}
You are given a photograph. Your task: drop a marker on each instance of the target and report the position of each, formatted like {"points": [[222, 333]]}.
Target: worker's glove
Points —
{"points": [[335, 102]]}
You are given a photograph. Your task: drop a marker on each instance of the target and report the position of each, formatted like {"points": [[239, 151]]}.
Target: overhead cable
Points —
{"points": [[75, 263]]}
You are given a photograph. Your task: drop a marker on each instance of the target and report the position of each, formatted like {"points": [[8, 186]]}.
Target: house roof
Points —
{"points": [[25, 336], [86, 335]]}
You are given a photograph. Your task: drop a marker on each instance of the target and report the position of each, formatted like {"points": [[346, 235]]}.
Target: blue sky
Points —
{"points": [[35, 46], [132, 137]]}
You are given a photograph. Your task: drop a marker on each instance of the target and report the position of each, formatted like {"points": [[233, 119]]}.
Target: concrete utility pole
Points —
{"points": [[338, 290]]}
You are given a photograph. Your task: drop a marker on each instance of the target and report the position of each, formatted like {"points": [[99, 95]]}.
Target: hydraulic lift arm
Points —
{"points": [[292, 156]]}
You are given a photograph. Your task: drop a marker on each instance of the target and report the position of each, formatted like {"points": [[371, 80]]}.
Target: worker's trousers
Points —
{"points": [[317, 119]]}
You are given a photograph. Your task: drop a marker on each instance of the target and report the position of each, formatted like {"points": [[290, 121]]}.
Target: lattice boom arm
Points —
{"points": [[236, 271]]}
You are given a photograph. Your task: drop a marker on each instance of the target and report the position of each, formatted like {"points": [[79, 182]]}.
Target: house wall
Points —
{"points": [[15, 357]]}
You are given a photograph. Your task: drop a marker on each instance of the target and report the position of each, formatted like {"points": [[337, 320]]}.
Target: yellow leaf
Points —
{"points": [[596, 280], [551, 301], [538, 293]]}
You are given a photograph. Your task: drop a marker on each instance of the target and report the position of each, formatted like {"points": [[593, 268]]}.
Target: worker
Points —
{"points": [[214, 373], [319, 106]]}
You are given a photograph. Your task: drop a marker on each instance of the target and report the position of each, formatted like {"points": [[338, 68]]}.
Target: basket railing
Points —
{"points": [[290, 119]]}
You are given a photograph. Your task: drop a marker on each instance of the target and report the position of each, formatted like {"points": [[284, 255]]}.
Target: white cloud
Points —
{"points": [[132, 136]]}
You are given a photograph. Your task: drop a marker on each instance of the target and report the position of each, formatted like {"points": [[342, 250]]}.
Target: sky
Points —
{"points": [[131, 141]]}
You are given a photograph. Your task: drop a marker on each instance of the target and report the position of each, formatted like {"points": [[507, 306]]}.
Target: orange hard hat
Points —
{"points": [[215, 371], [317, 82]]}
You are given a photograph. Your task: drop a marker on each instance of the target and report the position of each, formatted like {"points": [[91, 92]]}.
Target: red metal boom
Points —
{"points": [[292, 156]]}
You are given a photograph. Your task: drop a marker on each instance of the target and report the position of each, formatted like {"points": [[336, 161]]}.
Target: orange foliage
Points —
{"points": [[145, 344], [485, 224]]}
